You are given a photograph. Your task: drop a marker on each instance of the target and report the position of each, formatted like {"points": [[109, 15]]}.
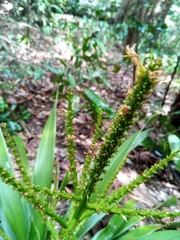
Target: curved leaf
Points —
{"points": [[98, 102], [43, 169], [33, 233], [117, 225], [71, 80], [164, 235], [139, 231], [42, 174], [22, 151], [10, 203], [174, 143]]}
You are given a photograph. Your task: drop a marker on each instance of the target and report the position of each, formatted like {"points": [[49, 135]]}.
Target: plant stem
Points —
{"points": [[132, 211]]}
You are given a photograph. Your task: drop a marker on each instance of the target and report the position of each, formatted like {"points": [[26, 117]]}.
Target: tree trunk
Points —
{"points": [[135, 13], [175, 119]]}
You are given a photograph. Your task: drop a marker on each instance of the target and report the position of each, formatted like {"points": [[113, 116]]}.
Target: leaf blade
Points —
{"points": [[10, 203]]}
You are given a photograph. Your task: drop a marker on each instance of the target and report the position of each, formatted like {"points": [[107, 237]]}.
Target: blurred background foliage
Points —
{"points": [[152, 24]]}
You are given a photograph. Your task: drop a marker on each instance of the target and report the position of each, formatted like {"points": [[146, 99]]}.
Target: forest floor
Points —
{"points": [[37, 99]]}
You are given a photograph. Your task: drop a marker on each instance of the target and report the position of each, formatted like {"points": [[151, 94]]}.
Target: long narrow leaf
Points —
{"points": [[22, 151], [43, 169], [10, 202], [116, 229], [4, 155], [42, 174], [139, 231], [165, 235], [33, 233], [6, 226], [117, 225], [89, 224]]}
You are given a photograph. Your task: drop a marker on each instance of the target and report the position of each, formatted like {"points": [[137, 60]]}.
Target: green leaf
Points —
{"points": [[42, 174], [116, 228], [95, 218], [177, 80], [98, 102], [33, 232], [117, 225], [86, 46], [38, 73], [65, 181], [104, 234], [164, 235], [117, 67], [100, 45], [174, 225], [4, 155], [87, 58], [53, 69], [169, 202], [63, 62], [152, 119], [13, 126], [52, 231], [78, 62], [71, 80], [139, 231], [106, 82], [10, 203], [22, 151], [57, 8], [174, 143], [6, 226], [3, 105]]}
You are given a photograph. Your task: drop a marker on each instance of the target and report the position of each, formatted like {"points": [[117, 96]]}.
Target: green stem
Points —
{"points": [[91, 153], [132, 211], [123, 191], [71, 143], [56, 194], [2, 234], [79, 210]]}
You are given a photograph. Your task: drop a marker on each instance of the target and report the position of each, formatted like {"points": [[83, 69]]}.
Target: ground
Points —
{"points": [[37, 99]]}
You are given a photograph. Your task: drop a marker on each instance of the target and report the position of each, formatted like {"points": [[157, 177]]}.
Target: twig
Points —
{"points": [[172, 77]]}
